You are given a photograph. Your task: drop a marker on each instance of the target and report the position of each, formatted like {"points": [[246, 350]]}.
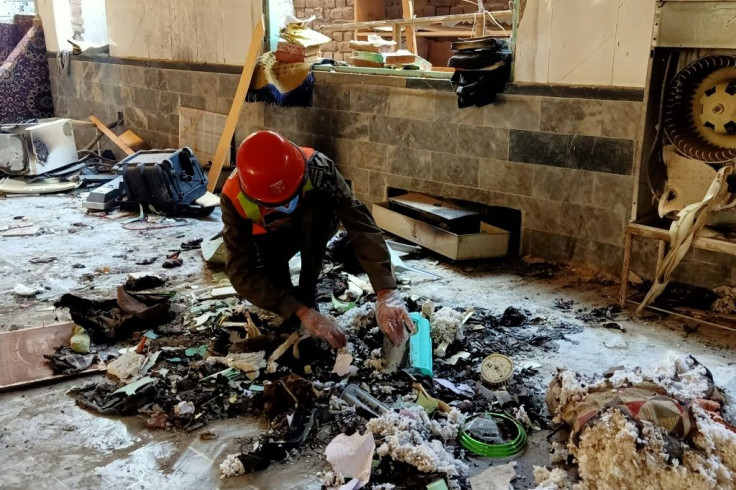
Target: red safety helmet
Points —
{"points": [[272, 170]]}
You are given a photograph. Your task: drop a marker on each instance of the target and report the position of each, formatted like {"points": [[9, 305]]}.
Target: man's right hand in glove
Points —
{"points": [[321, 326]]}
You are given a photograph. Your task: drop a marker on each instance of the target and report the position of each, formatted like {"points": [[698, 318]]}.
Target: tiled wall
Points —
{"points": [[565, 162]]}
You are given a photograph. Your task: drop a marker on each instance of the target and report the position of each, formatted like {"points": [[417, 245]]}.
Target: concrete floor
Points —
{"points": [[46, 441]]}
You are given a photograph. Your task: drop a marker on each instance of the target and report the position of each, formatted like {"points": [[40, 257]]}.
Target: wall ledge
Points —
{"points": [[418, 83]]}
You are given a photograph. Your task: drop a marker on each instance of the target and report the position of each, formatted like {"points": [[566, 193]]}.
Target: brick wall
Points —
{"points": [[556, 158], [330, 11], [344, 11]]}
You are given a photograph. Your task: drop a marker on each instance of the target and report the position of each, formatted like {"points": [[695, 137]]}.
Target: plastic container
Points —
{"points": [[420, 345]]}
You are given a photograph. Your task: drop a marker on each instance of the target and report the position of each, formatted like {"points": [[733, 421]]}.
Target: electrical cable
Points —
{"points": [[660, 129]]}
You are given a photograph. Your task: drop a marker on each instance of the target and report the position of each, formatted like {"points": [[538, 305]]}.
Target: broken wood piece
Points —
{"points": [[223, 292], [251, 329], [223, 147], [113, 137], [271, 367], [22, 351], [134, 141]]}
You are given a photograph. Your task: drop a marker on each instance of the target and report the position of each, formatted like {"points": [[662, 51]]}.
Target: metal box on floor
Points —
{"points": [[488, 242]]}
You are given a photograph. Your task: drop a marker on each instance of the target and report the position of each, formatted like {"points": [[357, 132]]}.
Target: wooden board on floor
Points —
{"points": [[21, 355]]}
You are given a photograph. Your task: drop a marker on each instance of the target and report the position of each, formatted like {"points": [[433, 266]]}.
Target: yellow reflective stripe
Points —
{"points": [[252, 211], [308, 186]]}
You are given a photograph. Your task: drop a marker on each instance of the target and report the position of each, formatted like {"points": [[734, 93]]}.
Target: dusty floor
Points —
{"points": [[46, 441]]}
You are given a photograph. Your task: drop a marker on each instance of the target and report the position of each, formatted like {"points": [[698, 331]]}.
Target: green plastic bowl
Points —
{"points": [[495, 450]]}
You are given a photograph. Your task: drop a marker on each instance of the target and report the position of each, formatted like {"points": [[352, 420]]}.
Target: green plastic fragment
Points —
{"points": [[196, 351], [256, 388], [131, 388], [341, 306], [440, 484]]}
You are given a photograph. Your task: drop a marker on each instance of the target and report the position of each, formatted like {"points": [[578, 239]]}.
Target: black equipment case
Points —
{"points": [[165, 181]]}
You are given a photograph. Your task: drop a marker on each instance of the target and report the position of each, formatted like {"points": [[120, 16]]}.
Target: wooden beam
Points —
{"points": [[223, 147], [411, 38], [113, 137], [419, 21]]}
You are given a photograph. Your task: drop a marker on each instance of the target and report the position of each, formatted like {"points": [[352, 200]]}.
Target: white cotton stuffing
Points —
{"points": [[358, 318], [446, 326], [613, 452], [555, 479], [407, 436], [231, 466]]}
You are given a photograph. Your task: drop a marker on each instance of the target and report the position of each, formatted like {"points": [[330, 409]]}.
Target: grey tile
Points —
{"points": [[133, 76], [503, 176], [715, 258], [163, 123], [144, 98], [91, 72], [110, 73], [380, 181], [454, 169], [701, 274], [434, 136], [205, 84], [580, 152], [155, 79], [227, 85], [622, 119], [313, 120], [135, 118], [168, 102], [331, 96], [390, 130], [351, 125], [76, 69], [280, 118], [539, 214], [561, 184], [369, 156], [613, 192], [194, 101], [446, 110], [178, 81], [513, 112], [411, 104], [360, 179], [373, 100], [551, 246], [598, 225], [572, 116], [409, 162], [483, 142]]}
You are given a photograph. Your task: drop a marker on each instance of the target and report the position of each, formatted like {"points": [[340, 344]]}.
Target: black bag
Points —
{"points": [[165, 182]]}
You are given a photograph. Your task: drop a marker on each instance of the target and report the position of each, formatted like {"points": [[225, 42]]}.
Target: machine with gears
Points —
{"points": [[685, 194]]}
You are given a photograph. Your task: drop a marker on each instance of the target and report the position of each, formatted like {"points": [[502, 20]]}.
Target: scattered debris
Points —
{"points": [[172, 261], [495, 478], [24, 291], [351, 456], [79, 341]]}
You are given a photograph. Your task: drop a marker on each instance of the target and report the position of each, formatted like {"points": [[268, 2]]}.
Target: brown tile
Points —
{"points": [[513, 112], [483, 142], [454, 169], [280, 118], [539, 214], [178, 81], [135, 118], [357, 79], [411, 104], [377, 183], [446, 110], [562, 184], [227, 84], [369, 156], [373, 100], [622, 119], [409, 162], [503, 176], [572, 116], [194, 101], [613, 192]]}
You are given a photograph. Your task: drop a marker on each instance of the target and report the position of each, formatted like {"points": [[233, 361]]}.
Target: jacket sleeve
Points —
{"points": [[246, 270], [365, 236]]}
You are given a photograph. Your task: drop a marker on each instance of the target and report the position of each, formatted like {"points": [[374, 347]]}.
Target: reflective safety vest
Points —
{"points": [[257, 214]]}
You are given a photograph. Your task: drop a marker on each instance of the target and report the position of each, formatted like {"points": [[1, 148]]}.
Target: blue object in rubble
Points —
{"points": [[420, 345]]}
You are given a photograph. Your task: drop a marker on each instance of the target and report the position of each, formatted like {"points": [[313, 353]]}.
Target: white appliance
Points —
{"points": [[37, 148]]}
